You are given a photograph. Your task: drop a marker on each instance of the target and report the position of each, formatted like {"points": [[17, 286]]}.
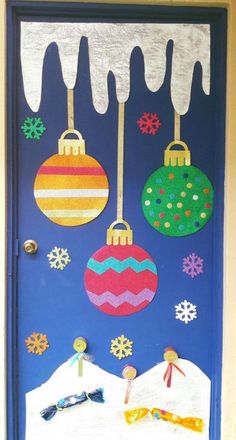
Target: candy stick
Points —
{"points": [[129, 372]]}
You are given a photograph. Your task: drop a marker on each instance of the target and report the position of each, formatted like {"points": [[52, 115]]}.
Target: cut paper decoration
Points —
{"points": [[129, 373], [37, 343], [193, 423], [120, 278], [185, 311], [149, 123], [171, 356], [121, 347], [80, 346], [193, 265], [110, 46], [33, 128], [58, 258], [177, 199], [190, 396], [71, 187], [69, 401]]}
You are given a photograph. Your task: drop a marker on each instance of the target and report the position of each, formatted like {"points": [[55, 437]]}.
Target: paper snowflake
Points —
{"points": [[193, 265], [121, 347], [37, 343], [185, 311], [149, 123], [58, 258], [33, 128]]}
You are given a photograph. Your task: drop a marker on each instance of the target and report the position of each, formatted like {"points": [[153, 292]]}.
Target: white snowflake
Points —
{"points": [[185, 311], [193, 265], [58, 258]]}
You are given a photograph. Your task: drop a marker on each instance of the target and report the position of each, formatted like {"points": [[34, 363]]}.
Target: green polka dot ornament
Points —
{"points": [[177, 199]]}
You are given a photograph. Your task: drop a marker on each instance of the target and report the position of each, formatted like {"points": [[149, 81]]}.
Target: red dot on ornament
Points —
{"points": [[171, 176], [156, 223], [206, 190], [162, 215], [162, 191], [176, 217], [207, 205]]}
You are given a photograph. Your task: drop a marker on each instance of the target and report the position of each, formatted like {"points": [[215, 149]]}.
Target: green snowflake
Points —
{"points": [[33, 128]]}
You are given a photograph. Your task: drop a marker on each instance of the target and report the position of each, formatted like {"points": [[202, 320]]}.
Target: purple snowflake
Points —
{"points": [[193, 265]]}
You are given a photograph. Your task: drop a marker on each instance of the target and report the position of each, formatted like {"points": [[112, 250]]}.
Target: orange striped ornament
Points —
{"points": [[71, 190]]}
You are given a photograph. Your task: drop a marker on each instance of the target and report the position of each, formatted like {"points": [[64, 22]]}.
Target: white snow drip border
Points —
{"points": [[110, 47], [188, 395]]}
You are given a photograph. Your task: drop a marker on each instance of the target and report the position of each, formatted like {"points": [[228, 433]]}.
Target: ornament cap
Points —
{"points": [[119, 236], [177, 157], [69, 147]]}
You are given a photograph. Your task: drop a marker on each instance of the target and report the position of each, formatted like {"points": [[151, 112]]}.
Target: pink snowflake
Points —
{"points": [[193, 265], [149, 123]]}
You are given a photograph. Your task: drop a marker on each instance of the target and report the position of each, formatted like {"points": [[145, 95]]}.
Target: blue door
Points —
{"points": [[115, 235]]}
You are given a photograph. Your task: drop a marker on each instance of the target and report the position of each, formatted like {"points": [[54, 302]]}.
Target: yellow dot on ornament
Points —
{"points": [[169, 205], [189, 185], [167, 224], [149, 190], [147, 202], [203, 215], [179, 205], [183, 194]]}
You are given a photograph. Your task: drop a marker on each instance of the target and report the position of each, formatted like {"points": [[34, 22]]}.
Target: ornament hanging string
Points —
{"points": [[118, 236], [120, 160], [70, 109], [177, 126]]}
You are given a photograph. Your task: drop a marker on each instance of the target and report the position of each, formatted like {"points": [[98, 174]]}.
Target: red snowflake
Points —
{"points": [[149, 123]]}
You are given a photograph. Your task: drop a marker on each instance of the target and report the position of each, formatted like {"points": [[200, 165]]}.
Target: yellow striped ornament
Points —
{"points": [[71, 190]]}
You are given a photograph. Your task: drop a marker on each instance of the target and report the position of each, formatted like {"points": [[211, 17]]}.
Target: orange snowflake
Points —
{"points": [[37, 343]]}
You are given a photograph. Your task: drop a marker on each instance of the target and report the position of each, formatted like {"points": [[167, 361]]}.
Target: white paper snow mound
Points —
{"points": [[187, 396]]}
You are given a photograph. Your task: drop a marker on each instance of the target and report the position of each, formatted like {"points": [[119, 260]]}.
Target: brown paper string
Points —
{"points": [[177, 126], [70, 108], [120, 160]]}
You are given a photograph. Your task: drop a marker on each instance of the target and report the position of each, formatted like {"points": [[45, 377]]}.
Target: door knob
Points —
{"points": [[30, 247]]}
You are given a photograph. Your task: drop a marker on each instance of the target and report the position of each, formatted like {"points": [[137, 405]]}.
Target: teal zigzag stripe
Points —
{"points": [[120, 266]]}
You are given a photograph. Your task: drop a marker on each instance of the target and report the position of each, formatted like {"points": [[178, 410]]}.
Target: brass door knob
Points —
{"points": [[30, 247]]}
